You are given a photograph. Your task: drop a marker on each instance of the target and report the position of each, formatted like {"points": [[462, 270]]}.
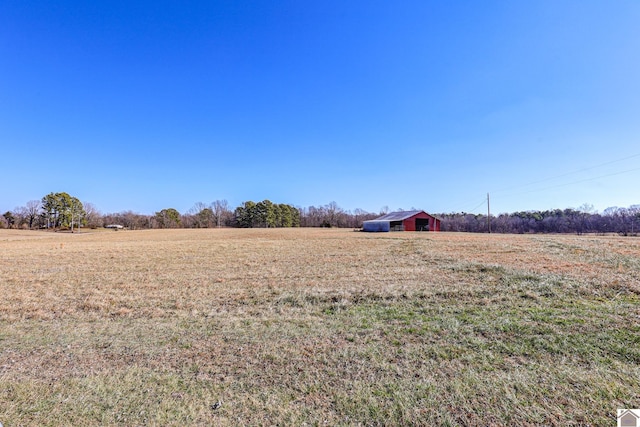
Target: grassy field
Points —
{"points": [[317, 327]]}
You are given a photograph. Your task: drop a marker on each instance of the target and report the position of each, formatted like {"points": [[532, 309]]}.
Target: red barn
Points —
{"points": [[403, 221]]}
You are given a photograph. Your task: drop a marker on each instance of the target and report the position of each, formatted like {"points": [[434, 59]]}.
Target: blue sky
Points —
{"points": [[428, 104]]}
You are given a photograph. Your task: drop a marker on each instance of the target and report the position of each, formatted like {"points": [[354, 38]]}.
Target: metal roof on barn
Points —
{"points": [[398, 216]]}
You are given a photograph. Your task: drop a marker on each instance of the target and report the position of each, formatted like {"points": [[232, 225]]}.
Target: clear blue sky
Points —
{"points": [[147, 105]]}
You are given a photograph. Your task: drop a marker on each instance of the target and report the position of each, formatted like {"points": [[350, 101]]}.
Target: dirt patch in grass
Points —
{"points": [[255, 327]]}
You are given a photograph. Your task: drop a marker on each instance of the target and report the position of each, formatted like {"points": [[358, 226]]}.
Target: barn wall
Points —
{"points": [[410, 223], [373, 226]]}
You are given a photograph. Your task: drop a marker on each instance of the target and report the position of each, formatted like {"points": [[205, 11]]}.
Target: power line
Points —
{"points": [[485, 201], [577, 182], [482, 203], [571, 173]]}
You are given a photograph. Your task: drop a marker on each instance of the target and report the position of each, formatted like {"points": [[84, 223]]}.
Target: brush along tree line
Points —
{"points": [[63, 211]]}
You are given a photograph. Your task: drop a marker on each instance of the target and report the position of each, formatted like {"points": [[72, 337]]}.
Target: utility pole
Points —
{"points": [[488, 215], [72, 216]]}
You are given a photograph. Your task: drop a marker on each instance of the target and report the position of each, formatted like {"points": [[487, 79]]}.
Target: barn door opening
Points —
{"points": [[396, 226], [422, 224]]}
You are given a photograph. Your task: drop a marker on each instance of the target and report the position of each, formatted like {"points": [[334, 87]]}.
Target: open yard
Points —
{"points": [[312, 326]]}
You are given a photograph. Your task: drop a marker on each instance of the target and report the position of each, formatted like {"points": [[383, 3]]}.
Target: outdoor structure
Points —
{"points": [[403, 221]]}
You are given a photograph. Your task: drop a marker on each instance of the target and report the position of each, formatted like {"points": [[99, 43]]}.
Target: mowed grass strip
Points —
{"points": [[317, 326]]}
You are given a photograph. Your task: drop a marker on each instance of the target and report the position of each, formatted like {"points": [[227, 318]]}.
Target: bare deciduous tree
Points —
{"points": [[199, 216], [28, 214], [93, 217], [221, 212]]}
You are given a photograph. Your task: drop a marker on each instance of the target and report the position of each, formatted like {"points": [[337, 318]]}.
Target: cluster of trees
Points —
{"points": [[55, 210], [62, 211], [332, 215], [266, 214], [624, 221], [217, 214]]}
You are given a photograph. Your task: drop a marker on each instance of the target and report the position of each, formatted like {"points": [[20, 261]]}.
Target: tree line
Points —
{"points": [[623, 221], [61, 211]]}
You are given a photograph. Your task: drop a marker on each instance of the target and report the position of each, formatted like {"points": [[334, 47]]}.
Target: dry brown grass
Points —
{"points": [[317, 326]]}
